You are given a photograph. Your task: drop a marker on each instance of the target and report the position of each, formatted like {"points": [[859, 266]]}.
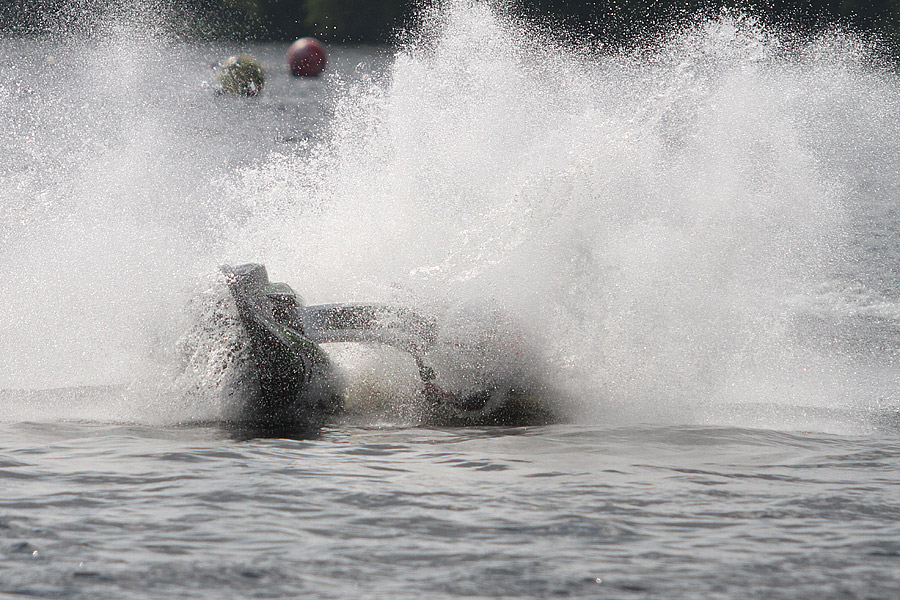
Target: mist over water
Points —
{"points": [[677, 231], [99, 209]]}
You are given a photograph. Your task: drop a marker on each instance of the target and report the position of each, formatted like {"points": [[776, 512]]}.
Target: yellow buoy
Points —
{"points": [[241, 75]]}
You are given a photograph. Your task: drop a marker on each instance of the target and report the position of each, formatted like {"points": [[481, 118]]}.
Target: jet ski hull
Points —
{"points": [[294, 384], [292, 381]]}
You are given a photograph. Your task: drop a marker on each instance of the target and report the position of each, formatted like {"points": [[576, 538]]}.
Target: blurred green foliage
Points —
{"points": [[619, 22], [354, 20], [610, 22]]}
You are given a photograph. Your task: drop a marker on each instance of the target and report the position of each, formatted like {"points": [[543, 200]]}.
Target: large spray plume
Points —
{"points": [[655, 222], [658, 220]]}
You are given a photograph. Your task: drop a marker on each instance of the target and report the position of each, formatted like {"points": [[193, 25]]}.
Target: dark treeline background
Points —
{"points": [[607, 22]]}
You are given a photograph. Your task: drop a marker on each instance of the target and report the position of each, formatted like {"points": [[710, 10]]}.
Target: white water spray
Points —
{"points": [[656, 221]]}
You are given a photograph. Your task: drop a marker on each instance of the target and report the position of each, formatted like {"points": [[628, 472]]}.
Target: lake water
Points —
{"points": [[697, 241]]}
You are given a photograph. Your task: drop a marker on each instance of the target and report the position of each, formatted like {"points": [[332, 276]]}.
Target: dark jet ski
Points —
{"points": [[294, 384]]}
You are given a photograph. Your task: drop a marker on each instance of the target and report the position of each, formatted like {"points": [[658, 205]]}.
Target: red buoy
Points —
{"points": [[306, 57]]}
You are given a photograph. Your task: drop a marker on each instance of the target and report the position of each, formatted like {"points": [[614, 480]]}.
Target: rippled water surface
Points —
{"points": [[98, 511]]}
